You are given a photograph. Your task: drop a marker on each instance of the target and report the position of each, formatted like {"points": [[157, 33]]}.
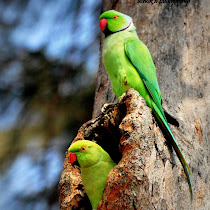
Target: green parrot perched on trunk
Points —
{"points": [[129, 65], [95, 165]]}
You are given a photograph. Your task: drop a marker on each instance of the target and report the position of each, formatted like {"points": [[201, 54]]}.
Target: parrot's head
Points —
{"points": [[86, 153], [112, 21]]}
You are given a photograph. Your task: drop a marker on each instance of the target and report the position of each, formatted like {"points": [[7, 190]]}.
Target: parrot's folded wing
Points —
{"points": [[141, 59]]}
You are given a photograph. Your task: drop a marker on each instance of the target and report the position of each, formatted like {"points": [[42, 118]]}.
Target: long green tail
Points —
{"points": [[167, 129]]}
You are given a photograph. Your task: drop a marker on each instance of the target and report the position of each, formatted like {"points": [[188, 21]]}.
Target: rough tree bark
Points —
{"points": [[149, 174]]}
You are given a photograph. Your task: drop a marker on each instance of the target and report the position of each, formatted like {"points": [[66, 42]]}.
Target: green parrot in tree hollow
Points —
{"points": [[95, 165], [129, 65]]}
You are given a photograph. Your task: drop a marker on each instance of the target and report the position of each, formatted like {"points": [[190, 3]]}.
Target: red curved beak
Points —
{"points": [[72, 158], [103, 23]]}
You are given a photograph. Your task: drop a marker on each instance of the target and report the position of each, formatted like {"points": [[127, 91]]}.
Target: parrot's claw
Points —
{"points": [[106, 106]]}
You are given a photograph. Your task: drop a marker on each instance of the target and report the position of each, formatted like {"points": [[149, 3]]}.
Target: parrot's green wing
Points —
{"points": [[141, 59]]}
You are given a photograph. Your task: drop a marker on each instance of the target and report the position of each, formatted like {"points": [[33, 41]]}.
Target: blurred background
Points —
{"points": [[49, 52]]}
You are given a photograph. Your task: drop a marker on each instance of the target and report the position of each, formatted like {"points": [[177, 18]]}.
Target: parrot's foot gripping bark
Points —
{"points": [[107, 106]]}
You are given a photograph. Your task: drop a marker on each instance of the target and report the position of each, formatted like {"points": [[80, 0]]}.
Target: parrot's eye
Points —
{"points": [[115, 17], [83, 149]]}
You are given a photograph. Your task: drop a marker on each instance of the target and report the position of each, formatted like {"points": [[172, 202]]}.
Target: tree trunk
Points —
{"points": [[148, 174]]}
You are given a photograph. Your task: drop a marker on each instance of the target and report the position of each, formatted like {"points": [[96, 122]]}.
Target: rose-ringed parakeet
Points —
{"points": [[95, 165], [129, 65]]}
